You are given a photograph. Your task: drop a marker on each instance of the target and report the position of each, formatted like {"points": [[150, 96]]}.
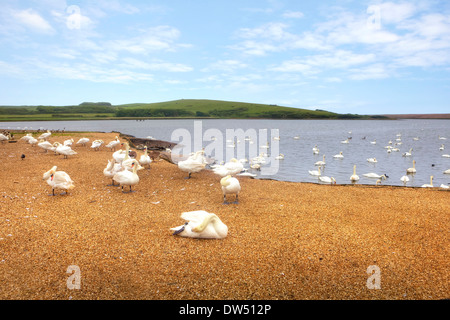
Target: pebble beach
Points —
{"points": [[286, 241]]}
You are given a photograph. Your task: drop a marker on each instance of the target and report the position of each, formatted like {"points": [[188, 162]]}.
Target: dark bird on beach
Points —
{"points": [[132, 154], [22, 156]]}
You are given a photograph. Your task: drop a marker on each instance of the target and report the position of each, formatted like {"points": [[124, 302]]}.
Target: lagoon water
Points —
{"points": [[423, 136]]}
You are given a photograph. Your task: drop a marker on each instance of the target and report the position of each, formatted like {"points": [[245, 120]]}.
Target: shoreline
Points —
{"points": [[286, 241]]}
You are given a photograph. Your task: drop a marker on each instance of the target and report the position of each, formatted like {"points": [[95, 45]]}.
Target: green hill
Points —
{"points": [[184, 108]]}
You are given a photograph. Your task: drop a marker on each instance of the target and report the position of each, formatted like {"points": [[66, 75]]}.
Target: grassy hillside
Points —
{"points": [[185, 108]]}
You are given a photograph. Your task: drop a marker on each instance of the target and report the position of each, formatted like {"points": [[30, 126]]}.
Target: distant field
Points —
{"points": [[184, 108]]}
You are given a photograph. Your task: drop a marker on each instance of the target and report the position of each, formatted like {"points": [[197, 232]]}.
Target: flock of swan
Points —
{"points": [[391, 147], [123, 169]]}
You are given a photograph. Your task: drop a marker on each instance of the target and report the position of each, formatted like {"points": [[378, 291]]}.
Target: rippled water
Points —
{"points": [[299, 158]]}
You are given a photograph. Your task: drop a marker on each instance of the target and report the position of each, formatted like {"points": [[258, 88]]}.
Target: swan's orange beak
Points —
{"points": [[51, 177]]}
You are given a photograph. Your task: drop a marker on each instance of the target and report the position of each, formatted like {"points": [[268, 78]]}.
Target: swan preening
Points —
{"points": [[230, 185], [83, 141], [113, 144], [231, 168], [375, 175], [64, 150], [202, 225], [45, 135], [96, 144], [111, 169], [194, 163], [58, 180]]}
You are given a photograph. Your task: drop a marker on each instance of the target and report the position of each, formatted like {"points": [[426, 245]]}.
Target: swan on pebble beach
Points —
{"points": [[230, 185], [58, 180], [202, 225]]}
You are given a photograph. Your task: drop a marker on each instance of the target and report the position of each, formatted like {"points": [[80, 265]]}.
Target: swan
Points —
{"points": [[45, 145], [407, 154], [202, 225], [374, 175], [45, 135], [280, 157], [230, 185], [315, 172], [413, 169], [327, 179], [416, 138], [26, 137], [320, 163], [443, 186], [83, 141], [120, 155], [64, 150], [442, 138], [127, 162], [96, 144], [145, 158], [58, 180], [339, 156], [246, 174], [345, 141], [297, 138], [354, 177], [446, 155], [315, 149], [194, 163], [127, 178], [428, 185], [447, 171], [374, 141], [442, 147], [33, 141], [404, 179], [372, 160], [68, 142], [113, 144], [4, 138], [232, 167], [111, 169]]}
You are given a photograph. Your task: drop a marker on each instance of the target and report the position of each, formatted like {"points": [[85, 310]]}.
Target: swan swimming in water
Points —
{"points": [[372, 160], [230, 185], [58, 180], [430, 185], [326, 179], [375, 175], [354, 177], [320, 163], [339, 156], [413, 169], [202, 225], [315, 172], [404, 179]]}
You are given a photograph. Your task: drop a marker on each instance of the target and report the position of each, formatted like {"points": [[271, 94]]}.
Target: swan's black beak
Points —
{"points": [[180, 230]]}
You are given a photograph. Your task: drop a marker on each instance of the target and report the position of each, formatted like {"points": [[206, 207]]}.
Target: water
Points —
{"points": [[299, 158]]}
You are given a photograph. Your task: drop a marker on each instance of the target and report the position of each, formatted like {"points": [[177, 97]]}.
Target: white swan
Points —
{"points": [[4, 137], [442, 147], [26, 137], [345, 141], [119, 155], [443, 186], [442, 138], [45, 135], [374, 175], [58, 180], [430, 185], [68, 142], [407, 154], [326, 179], [354, 177], [413, 169], [64, 150], [194, 163], [145, 158], [446, 155], [297, 138], [232, 168], [202, 225], [374, 141], [111, 169], [315, 149], [45, 145], [129, 163], [315, 172], [372, 160], [280, 157], [96, 144], [83, 141], [447, 171], [33, 141], [339, 156], [113, 144], [127, 178], [320, 163], [230, 185], [404, 179]]}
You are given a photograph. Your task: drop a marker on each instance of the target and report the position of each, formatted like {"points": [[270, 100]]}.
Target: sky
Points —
{"points": [[364, 57]]}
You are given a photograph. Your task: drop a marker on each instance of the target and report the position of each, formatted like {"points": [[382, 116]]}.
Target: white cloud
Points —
{"points": [[32, 21], [293, 14], [154, 65], [225, 65]]}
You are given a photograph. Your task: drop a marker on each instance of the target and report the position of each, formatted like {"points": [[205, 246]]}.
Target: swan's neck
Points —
{"points": [[211, 218], [354, 170]]}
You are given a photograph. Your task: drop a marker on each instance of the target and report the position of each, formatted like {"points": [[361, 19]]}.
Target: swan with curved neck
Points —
{"points": [[194, 163], [230, 185], [127, 178], [145, 158], [430, 185], [413, 169], [320, 163], [202, 225], [58, 180]]}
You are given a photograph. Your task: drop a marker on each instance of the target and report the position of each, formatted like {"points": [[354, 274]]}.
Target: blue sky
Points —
{"points": [[366, 57]]}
